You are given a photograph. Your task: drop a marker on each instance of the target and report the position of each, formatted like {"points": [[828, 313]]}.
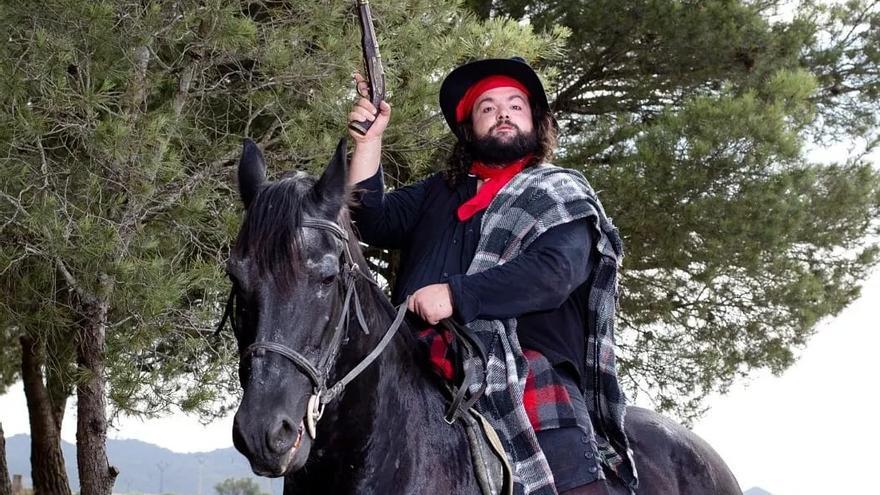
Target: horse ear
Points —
{"points": [[330, 188], [251, 172]]}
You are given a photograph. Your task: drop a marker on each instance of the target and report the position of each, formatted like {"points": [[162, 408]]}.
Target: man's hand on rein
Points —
{"points": [[432, 303]]}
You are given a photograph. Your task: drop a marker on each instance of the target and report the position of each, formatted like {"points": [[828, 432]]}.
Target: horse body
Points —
{"points": [[671, 459], [385, 432]]}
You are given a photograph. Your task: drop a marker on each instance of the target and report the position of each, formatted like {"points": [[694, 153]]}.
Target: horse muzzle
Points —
{"points": [[275, 446]]}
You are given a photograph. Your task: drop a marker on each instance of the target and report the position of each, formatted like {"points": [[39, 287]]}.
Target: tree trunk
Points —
{"points": [[60, 353], [47, 461], [96, 475], [5, 484]]}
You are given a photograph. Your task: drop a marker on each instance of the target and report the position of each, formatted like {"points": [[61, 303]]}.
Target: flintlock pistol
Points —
{"points": [[372, 63]]}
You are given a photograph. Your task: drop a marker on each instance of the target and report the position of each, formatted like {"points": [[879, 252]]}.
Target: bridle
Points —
{"points": [[319, 374]]}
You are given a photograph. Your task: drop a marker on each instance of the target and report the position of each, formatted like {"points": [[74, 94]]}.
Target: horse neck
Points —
{"points": [[376, 429], [367, 420], [395, 373], [389, 408]]}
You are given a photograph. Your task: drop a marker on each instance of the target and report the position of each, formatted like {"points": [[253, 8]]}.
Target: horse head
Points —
{"points": [[291, 268]]}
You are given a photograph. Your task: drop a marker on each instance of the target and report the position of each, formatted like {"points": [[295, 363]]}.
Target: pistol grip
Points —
{"points": [[361, 127]]}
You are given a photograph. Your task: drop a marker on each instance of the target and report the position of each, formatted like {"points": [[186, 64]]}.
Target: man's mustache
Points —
{"points": [[499, 124]]}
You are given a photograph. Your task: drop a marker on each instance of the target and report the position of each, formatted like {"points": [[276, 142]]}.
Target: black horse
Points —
{"points": [[336, 398]]}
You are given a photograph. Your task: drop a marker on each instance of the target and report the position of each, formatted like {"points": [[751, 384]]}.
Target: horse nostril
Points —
{"points": [[281, 436]]}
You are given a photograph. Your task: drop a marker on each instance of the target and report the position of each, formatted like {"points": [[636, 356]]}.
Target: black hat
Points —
{"points": [[463, 77]]}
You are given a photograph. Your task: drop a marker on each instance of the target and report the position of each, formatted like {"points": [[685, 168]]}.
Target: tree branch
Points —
{"points": [[72, 283]]}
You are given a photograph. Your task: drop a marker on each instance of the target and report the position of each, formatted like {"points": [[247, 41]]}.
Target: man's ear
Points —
{"points": [[330, 189], [251, 172]]}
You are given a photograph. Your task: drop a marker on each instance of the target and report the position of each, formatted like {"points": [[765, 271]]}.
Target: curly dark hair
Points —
{"points": [[459, 161]]}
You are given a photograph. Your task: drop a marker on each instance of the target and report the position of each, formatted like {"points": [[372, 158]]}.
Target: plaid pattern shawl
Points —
{"points": [[534, 201], [545, 397]]}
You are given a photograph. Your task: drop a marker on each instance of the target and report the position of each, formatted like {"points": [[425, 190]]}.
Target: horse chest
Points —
{"points": [[402, 448]]}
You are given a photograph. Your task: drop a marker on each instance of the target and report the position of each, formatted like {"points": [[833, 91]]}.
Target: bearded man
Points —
{"points": [[522, 252]]}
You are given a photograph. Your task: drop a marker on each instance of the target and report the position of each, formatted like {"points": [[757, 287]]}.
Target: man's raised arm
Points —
{"points": [[367, 147]]}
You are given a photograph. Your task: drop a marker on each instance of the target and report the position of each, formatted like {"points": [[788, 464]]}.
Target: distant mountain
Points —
{"points": [[145, 468]]}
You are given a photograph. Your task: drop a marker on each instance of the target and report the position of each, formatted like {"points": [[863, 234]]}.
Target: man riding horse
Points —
{"points": [[522, 252]]}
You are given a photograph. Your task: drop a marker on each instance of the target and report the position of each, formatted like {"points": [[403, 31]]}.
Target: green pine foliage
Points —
{"points": [[238, 486]]}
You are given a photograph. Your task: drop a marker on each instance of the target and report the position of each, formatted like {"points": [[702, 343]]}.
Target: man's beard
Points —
{"points": [[492, 150]]}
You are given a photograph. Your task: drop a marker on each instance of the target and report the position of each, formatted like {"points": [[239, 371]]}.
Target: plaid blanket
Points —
{"points": [[534, 201]]}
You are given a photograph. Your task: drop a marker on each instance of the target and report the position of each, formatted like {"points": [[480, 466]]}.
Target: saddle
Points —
{"points": [[492, 468]]}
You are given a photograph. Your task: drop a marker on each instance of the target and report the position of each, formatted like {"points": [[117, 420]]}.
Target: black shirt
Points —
{"points": [[545, 287]]}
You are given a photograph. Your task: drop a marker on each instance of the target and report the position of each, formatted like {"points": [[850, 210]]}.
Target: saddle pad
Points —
{"points": [[491, 466]]}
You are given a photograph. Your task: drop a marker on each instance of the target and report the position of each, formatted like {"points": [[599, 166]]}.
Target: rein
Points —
{"points": [[318, 375]]}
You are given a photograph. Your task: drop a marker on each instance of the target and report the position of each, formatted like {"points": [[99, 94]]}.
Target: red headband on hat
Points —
{"points": [[466, 104]]}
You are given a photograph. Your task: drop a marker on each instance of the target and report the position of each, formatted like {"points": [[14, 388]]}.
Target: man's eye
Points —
{"points": [[486, 109], [516, 107]]}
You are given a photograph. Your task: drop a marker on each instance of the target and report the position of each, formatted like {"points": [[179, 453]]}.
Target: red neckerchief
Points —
{"points": [[494, 178]]}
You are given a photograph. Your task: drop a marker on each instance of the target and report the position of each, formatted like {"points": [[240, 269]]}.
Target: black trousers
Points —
{"points": [[572, 451]]}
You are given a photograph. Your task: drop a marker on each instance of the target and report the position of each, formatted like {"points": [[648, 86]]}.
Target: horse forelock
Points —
{"points": [[270, 234]]}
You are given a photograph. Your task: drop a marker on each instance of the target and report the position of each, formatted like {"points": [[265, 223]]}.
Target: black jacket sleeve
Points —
{"points": [[385, 219], [539, 279]]}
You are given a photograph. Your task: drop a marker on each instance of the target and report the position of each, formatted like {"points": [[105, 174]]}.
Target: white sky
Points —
{"points": [[814, 430]]}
